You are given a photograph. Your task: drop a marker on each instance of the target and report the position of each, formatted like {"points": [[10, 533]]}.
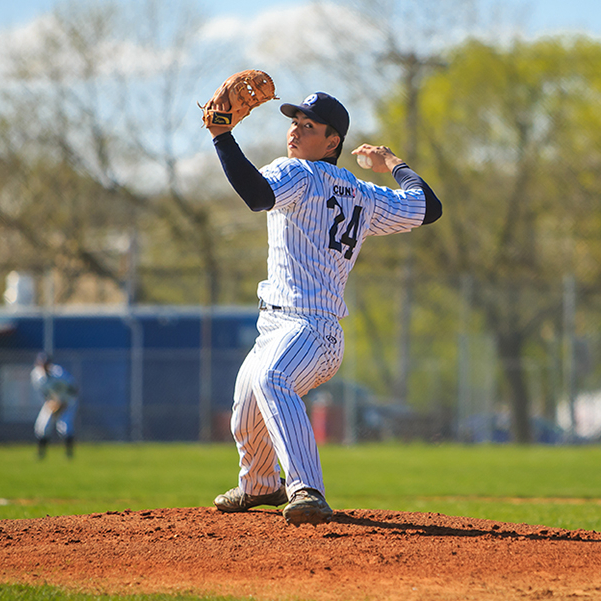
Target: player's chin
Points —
{"points": [[296, 150], [298, 154]]}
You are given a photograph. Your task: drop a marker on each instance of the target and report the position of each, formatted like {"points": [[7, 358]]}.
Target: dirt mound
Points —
{"points": [[362, 555]]}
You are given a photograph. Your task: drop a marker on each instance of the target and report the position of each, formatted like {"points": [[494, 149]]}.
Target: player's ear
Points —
{"points": [[333, 142]]}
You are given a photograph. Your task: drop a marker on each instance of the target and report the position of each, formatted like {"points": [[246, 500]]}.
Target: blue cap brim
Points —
{"points": [[290, 110]]}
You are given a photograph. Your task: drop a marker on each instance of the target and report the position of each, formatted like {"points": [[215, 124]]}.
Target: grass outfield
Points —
{"points": [[49, 593], [553, 486]]}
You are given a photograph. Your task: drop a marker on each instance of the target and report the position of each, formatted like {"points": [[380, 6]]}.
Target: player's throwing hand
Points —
{"points": [[379, 158]]}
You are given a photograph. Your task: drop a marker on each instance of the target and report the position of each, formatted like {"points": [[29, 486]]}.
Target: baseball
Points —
{"points": [[364, 161]]}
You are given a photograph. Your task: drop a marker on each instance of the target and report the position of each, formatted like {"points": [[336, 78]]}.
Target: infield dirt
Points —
{"points": [[361, 555]]}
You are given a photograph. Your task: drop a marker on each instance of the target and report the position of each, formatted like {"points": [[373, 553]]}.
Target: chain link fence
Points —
{"points": [[422, 363], [163, 373], [436, 371]]}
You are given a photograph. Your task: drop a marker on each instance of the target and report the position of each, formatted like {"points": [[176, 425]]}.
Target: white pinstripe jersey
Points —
{"points": [[322, 215], [57, 383]]}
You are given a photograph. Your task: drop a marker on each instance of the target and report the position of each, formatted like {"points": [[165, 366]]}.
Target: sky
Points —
{"points": [[537, 17], [265, 34]]}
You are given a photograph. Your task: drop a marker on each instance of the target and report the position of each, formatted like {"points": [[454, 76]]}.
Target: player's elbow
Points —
{"points": [[433, 207], [432, 215], [259, 202]]}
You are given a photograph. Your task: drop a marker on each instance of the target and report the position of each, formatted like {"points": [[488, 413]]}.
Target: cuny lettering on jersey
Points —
{"points": [[344, 191]]}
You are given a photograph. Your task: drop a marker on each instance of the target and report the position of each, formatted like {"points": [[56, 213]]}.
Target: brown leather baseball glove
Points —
{"points": [[55, 405], [237, 96]]}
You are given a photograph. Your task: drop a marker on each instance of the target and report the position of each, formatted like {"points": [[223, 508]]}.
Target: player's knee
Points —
{"points": [[270, 383]]}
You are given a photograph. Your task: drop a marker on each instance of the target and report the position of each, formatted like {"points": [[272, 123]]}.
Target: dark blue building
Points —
{"points": [[144, 373]]}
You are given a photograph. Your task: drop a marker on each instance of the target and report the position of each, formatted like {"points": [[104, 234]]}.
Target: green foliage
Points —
{"points": [[510, 138], [554, 486], [88, 157]]}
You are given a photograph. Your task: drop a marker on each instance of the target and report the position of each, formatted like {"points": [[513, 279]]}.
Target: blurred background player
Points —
{"points": [[57, 388]]}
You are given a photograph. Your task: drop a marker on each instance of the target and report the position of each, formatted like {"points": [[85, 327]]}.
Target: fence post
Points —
{"points": [[206, 385], [349, 391], [569, 325], [404, 342], [488, 391], [49, 313], [137, 374], [464, 389], [131, 284]]}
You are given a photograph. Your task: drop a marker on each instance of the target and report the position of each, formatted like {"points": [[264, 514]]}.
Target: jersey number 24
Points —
{"points": [[349, 237]]}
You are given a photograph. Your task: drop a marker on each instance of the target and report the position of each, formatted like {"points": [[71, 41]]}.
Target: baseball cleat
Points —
{"points": [[235, 500], [307, 506]]}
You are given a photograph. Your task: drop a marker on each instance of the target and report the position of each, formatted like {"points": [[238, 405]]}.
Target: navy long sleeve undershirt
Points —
{"points": [[244, 177], [256, 192]]}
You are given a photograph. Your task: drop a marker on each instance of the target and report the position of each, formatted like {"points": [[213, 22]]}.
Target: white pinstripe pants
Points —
{"points": [[292, 354], [64, 421]]}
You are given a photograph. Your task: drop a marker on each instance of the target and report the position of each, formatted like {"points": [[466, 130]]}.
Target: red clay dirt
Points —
{"points": [[361, 555]]}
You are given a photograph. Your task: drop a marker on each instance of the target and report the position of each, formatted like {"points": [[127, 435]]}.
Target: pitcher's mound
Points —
{"points": [[361, 555]]}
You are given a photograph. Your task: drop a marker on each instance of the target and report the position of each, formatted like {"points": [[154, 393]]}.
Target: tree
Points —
{"points": [[101, 98], [512, 141], [56, 220]]}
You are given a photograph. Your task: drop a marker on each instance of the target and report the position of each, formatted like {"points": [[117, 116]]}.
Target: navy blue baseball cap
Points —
{"points": [[323, 108]]}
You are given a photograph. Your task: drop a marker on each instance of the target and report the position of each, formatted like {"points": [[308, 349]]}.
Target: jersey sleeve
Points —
{"points": [[39, 380], [396, 210], [289, 180]]}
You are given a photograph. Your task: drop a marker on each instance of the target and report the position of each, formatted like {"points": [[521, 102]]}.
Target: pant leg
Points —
{"points": [[65, 422], [296, 354], [43, 423], [259, 468]]}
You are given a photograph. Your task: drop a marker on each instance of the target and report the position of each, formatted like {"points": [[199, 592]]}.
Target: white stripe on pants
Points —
{"points": [[292, 354]]}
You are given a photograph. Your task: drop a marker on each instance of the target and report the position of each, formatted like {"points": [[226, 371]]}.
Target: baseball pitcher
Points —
{"points": [[318, 216]]}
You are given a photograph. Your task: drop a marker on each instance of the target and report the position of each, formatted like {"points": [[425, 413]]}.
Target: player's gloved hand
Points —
{"points": [[235, 99], [383, 160], [55, 406], [216, 130]]}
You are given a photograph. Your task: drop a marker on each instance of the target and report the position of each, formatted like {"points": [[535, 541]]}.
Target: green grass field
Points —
{"points": [[553, 486], [50, 593]]}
